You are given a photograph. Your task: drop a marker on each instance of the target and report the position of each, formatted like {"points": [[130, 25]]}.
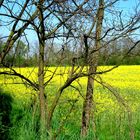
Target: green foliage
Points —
{"points": [[25, 124], [5, 112], [20, 56]]}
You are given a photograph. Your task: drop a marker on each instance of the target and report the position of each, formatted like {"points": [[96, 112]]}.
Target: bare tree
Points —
{"points": [[93, 63], [84, 22], [36, 20], [100, 35]]}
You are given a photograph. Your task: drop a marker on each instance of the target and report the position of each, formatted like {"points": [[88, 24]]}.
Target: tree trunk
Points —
{"points": [[87, 106], [93, 63], [41, 91], [41, 36]]}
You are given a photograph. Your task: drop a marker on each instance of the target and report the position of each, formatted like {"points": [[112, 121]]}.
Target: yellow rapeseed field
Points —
{"points": [[124, 79]]}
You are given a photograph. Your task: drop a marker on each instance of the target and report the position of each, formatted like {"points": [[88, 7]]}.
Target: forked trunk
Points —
{"points": [[93, 63], [87, 106]]}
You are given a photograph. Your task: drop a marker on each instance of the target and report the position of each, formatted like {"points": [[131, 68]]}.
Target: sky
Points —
{"points": [[128, 4], [125, 5]]}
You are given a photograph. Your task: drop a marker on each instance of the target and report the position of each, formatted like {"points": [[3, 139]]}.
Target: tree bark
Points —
{"points": [[93, 63], [87, 106], [41, 91], [41, 36]]}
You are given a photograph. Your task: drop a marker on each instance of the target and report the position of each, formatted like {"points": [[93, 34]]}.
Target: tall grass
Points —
{"points": [[109, 124], [24, 123]]}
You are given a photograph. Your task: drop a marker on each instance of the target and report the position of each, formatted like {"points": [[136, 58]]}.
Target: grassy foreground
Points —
{"points": [[110, 120]]}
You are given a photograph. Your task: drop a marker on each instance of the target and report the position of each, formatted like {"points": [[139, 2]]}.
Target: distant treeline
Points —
{"points": [[24, 56]]}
